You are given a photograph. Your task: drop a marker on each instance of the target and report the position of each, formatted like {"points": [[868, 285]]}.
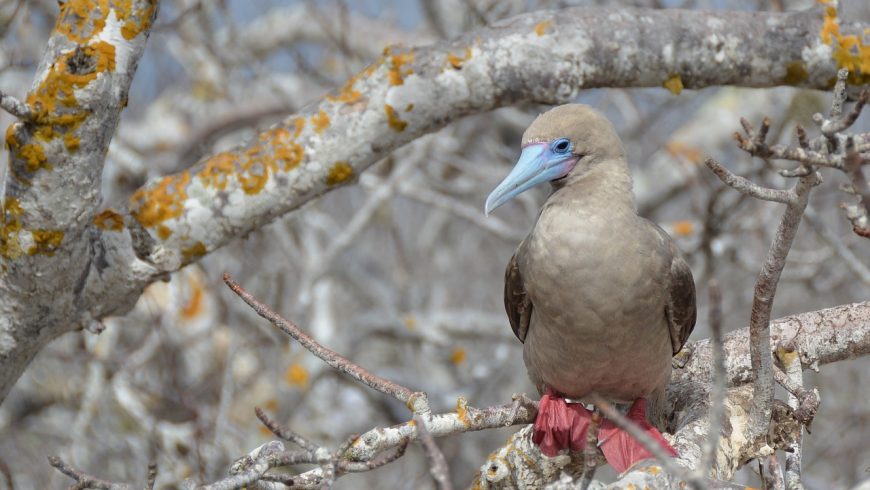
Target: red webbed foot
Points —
{"points": [[620, 449], [560, 425]]}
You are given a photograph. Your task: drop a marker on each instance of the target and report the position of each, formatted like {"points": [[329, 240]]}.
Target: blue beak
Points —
{"points": [[537, 164]]}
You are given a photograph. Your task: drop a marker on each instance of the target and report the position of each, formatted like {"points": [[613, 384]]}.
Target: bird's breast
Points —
{"points": [[597, 281]]}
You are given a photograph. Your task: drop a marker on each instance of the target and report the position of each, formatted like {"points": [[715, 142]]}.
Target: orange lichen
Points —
{"points": [[254, 165], [80, 20], [339, 173], [161, 201], [109, 220], [674, 84], [193, 252], [10, 227], [458, 355], [462, 410], [393, 119], [298, 124], [396, 74], [296, 375], [71, 142], [164, 232], [320, 121], [683, 228], [542, 27], [194, 305], [11, 141], [45, 242], [138, 20], [457, 61], [217, 169], [34, 157], [849, 52], [654, 470], [409, 107]]}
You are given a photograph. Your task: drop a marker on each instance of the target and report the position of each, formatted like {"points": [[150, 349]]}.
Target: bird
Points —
{"points": [[600, 297]]}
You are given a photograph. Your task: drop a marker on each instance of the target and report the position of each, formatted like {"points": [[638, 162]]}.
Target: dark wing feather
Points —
{"points": [[516, 301], [681, 309]]}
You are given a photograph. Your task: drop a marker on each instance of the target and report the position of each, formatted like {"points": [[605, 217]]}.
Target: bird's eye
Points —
{"points": [[561, 145]]}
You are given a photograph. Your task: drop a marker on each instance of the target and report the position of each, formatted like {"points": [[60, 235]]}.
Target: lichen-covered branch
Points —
{"points": [[49, 246], [541, 56]]}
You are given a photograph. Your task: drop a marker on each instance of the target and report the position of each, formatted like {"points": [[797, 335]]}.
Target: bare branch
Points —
{"points": [[717, 395], [746, 186], [84, 480], [437, 464], [415, 401], [15, 107], [284, 432]]}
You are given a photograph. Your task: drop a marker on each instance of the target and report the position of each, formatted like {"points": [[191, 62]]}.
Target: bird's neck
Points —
{"points": [[607, 183]]}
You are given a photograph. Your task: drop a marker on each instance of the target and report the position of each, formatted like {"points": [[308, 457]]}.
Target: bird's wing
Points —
{"points": [[681, 311], [516, 300]]}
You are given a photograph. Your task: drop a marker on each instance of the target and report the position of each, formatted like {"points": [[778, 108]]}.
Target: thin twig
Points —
{"points": [[644, 439], [773, 474], [590, 450], [283, 431], [152, 476], [717, 394], [416, 401], [83, 479], [790, 359], [15, 107], [437, 463], [745, 185]]}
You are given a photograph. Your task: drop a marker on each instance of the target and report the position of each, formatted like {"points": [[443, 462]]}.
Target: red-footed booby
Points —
{"points": [[600, 297]]}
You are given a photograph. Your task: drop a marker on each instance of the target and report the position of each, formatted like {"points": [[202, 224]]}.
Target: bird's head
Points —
{"points": [[560, 146]]}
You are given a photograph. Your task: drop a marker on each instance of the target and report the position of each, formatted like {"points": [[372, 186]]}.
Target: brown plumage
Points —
{"points": [[600, 297]]}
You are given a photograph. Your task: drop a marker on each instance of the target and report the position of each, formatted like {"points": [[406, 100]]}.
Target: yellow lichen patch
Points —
{"points": [[45, 242], [654, 470], [339, 173], [631, 486], [674, 84], [320, 121], [542, 27], [683, 228], [71, 141], [255, 170], [11, 141], [849, 52], [217, 169], [458, 355], [457, 61], [298, 125], [393, 119], [396, 73], [409, 107], [160, 202], [347, 94], [109, 220], [164, 232], [10, 227], [80, 20], [138, 20], [193, 252], [786, 356], [462, 410], [34, 157], [296, 375], [194, 305]]}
